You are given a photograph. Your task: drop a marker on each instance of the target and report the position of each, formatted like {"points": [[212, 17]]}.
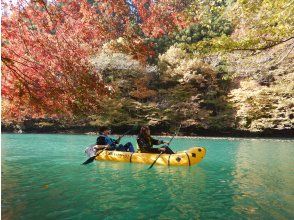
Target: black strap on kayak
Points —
{"points": [[131, 157], [188, 158], [168, 162]]}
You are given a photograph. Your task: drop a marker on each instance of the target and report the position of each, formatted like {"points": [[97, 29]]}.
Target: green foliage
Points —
{"points": [[257, 25], [193, 34], [210, 24]]}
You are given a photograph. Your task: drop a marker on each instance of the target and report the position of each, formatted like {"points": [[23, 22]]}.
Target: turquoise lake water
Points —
{"points": [[42, 178]]}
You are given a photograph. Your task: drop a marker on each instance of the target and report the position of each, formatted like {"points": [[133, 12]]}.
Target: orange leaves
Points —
{"points": [[46, 48], [142, 91], [160, 18], [45, 68], [134, 46]]}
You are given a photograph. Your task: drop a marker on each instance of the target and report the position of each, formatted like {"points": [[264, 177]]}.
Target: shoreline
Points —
{"points": [[182, 134]]}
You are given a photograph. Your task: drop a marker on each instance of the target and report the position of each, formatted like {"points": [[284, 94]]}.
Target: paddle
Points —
{"points": [[174, 135], [167, 145], [91, 159], [155, 160]]}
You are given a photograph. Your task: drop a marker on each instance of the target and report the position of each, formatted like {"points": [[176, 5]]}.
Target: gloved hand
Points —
{"points": [[101, 147], [107, 147]]}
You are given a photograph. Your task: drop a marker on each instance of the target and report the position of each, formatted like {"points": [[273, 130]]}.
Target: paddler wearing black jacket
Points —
{"points": [[146, 142]]}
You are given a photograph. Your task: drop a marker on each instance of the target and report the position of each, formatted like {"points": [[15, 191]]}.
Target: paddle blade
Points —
{"points": [[90, 160]]}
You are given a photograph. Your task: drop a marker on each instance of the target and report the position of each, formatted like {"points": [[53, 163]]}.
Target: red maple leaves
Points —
{"points": [[46, 46]]}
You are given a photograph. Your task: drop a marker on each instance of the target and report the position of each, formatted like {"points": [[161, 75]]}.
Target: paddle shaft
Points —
{"points": [[168, 145], [155, 160], [174, 135], [126, 133]]}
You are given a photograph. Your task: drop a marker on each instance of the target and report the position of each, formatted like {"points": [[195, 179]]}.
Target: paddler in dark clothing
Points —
{"points": [[104, 139], [146, 142]]}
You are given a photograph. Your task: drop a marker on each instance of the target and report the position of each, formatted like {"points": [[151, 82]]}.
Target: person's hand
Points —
{"points": [[162, 149], [101, 147], [107, 147], [97, 147]]}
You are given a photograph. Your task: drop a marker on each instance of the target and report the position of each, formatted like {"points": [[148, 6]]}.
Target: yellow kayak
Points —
{"points": [[182, 158]]}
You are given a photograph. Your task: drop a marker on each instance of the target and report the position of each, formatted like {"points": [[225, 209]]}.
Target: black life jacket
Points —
{"points": [[101, 140]]}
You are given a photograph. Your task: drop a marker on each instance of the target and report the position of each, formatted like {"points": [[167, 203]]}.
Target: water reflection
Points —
{"points": [[161, 189], [263, 180]]}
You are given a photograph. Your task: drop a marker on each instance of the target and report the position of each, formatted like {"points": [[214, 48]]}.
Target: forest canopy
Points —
{"points": [[126, 61]]}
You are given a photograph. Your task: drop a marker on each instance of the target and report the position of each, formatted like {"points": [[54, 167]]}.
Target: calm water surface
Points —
{"points": [[42, 178]]}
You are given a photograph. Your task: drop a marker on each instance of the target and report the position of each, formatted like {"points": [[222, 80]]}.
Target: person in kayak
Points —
{"points": [[104, 139], [146, 142]]}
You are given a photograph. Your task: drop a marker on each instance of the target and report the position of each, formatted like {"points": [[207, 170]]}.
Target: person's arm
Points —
{"points": [[141, 142], [109, 141], [115, 141], [156, 142]]}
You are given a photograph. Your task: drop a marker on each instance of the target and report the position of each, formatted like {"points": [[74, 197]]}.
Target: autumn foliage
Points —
{"points": [[145, 61], [46, 49], [161, 17]]}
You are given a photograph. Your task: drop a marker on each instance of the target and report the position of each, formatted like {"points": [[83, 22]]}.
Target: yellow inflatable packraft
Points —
{"points": [[182, 158]]}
